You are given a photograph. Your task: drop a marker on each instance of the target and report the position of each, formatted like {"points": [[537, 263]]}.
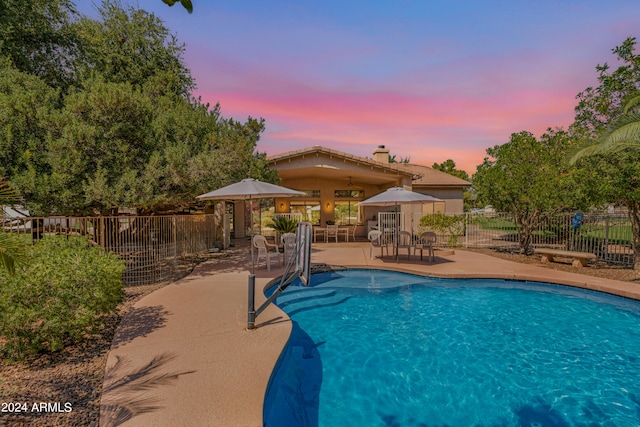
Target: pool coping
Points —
{"points": [[214, 372]]}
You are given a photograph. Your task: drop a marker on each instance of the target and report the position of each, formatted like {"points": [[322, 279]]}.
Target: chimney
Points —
{"points": [[381, 154]]}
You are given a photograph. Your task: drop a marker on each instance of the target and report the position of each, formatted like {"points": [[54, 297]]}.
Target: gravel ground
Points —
{"points": [[75, 374]]}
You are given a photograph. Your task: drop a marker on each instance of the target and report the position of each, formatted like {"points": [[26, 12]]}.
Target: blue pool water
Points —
{"points": [[374, 348]]}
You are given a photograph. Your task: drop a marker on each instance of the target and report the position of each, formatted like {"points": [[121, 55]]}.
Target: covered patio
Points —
{"points": [[335, 182]]}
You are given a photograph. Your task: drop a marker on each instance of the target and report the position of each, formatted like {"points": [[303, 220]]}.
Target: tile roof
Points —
{"points": [[397, 167], [423, 175]]}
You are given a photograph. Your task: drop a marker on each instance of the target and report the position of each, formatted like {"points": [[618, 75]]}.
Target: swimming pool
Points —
{"points": [[378, 348]]}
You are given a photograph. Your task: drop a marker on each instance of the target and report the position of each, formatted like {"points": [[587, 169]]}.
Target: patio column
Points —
{"points": [[238, 219]]}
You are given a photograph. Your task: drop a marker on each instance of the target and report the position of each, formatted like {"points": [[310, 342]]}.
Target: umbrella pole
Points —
{"points": [[253, 264], [397, 234]]}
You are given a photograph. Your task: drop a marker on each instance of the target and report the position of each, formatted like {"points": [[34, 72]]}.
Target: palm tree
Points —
{"points": [[12, 249], [623, 133]]}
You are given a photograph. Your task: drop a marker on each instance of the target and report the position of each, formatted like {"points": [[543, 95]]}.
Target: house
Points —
{"points": [[334, 182]]}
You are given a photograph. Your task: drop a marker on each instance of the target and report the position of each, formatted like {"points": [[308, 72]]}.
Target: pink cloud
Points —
{"points": [[428, 124], [428, 129]]}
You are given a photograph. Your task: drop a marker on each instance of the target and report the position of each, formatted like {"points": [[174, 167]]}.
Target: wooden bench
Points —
{"points": [[580, 259]]}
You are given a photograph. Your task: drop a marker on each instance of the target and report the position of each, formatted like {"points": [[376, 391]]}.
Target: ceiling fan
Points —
{"points": [[351, 185]]}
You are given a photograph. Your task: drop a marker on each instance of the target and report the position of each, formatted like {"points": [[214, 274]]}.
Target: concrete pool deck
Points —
{"points": [[182, 355]]}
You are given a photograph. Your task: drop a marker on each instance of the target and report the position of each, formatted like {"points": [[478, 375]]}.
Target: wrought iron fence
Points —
{"points": [[156, 249], [607, 235]]}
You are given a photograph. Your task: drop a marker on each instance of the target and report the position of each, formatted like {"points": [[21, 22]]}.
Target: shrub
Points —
{"points": [[452, 226], [66, 290]]}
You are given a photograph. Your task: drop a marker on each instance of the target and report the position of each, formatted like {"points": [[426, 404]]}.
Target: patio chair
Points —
{"points": [[426, 241], [289, 243], [264, 249], [375, 237], [405, 242], [331, 232], [351, 232]]}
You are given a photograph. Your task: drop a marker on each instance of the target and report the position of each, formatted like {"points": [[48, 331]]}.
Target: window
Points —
{"points": [[348, 194], [310, 210], [310, 194], [346, 211]]}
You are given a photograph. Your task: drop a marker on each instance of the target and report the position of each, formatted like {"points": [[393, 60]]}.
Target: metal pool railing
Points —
{"points": [[155, 248]]}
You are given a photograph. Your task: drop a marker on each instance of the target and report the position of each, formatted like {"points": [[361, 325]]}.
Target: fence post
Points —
{"points": [[466, 230], [606, 237], [101, 226]]}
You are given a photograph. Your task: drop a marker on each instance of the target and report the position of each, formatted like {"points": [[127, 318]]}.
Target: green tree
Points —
{"points": [[128, 134], [528, 178], [133, 46], [449, 166], [185, 3], [96, 145], [601, 105], [612, 178], [26, 103], [38, 38]]}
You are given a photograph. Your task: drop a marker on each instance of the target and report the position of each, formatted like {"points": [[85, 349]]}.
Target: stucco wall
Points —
{"points": [[453, 201]]}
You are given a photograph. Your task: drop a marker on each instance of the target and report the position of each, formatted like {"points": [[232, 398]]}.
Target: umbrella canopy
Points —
{"points": [[397, 196], [248, 189]]}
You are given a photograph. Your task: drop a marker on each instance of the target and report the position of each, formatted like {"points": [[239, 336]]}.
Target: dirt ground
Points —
{"points": [[75, 374], [594, 269]]}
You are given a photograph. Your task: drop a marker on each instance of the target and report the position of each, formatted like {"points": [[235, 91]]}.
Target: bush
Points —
{"points": [[65, 291], [453, 226]]}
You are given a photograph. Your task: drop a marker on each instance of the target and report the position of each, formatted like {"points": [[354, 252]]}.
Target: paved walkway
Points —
{"points": [[182, 355]]}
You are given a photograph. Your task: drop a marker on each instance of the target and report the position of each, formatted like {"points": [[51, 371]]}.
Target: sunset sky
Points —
{"points": [[431, 80]]}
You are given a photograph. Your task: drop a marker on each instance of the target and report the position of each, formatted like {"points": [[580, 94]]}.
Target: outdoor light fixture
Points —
{"points": [[281, 206]]}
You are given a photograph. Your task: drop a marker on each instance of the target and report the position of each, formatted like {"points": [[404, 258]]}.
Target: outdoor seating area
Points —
{"points": [[281, 250], [334, 233], [260, 248], [387, 242]]}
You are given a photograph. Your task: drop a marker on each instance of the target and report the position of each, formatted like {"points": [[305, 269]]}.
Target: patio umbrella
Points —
{"points": [[249, 189], [397, 196]]}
